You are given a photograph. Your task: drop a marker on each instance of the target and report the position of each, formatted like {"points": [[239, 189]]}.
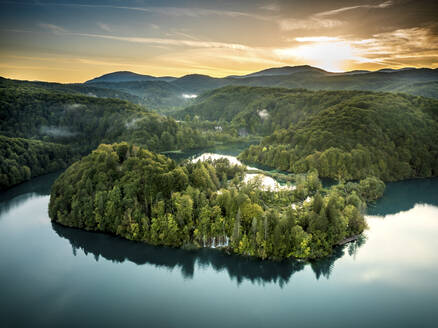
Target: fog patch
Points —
{"points": [[243, 132], [73, 106], [130, 124], [189, 96], [55, 131], [263, 114]]}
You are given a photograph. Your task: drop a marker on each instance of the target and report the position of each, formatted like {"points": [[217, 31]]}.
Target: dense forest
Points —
{"points": [[265, 110], [392, 137], [33, 111], [136, 194], [158, 95], [23, 159], [73, 88], [85, 122], [343, 134]]}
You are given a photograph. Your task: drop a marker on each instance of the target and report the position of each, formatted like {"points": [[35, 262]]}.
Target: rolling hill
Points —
{"points": [[344, 134]]}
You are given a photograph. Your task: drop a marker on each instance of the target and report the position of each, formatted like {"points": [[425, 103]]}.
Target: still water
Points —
{"points": [[52, 276]]}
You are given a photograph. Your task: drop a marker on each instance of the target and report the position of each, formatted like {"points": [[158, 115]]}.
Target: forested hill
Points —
{"points": [[259, 110], [157, 95], [85, 122], [73, 88], [265, 110], [56, 119], [345, 134]]}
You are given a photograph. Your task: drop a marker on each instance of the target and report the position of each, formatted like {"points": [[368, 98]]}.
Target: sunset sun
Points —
{"points": [[332, 56]]}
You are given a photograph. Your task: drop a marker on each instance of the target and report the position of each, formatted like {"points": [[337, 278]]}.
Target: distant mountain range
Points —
{"points": [[126, 76], [167, 93]]}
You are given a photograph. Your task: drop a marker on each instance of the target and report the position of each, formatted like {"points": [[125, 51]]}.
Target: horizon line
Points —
{"points": [[230, 75]]}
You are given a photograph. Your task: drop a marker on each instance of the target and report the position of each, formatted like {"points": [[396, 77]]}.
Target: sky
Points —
{"points": [[73, 41]]}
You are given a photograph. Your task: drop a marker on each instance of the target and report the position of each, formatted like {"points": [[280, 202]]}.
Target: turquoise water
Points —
{"points": [[52, 276]]}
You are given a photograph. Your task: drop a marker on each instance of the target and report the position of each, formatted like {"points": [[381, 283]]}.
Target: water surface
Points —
{"points": [[55, 276]]}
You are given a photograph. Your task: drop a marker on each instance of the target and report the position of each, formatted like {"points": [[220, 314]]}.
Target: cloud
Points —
{"points": [[311, 23], [340, 10], [317, 39], [53, 28], [162, 41], [270, 7], [182, 34], [168, 11], [192, 12], [320, 20], [398, 47], [153, 41], [104, 26]]}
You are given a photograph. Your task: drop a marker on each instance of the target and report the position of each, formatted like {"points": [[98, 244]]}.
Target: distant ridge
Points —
{"points": [[126, 76], [167, 94], [357, 71], [285, 70], [392, 70]]}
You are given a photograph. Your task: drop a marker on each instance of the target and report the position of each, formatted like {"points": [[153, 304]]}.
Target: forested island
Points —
{"points": [[143, 196]]}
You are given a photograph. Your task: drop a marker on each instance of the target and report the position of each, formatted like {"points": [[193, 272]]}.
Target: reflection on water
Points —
{"points": [[18, 195], [238, 267], [402, 245], [229, 150], [403, 195]]}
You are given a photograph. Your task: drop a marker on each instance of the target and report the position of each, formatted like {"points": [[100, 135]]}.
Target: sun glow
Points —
{"points": [[330, 56]]}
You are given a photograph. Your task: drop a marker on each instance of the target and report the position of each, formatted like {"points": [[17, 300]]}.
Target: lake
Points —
{"points": [[54, 276]]}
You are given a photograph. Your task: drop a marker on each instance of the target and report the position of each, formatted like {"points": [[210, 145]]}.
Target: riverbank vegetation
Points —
{"points": [[136, 194], [23, 159]]}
